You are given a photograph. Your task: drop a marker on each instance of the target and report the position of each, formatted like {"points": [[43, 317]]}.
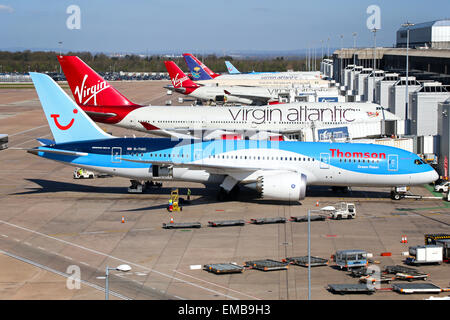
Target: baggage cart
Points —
{"points": [[267, 265], [416, 288], [358, 288], [226, 223], [303, 261], [268, 220], [312, 218], [223, 268], [405, 273], [182, 225]]}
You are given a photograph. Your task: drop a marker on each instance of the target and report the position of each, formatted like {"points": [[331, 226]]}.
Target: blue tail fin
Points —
{"points": [[196, 70], [231, 69], [67, 121]]}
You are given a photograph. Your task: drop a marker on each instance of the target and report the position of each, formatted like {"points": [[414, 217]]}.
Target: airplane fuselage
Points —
{"points": [[337, 164], [281, 118]]}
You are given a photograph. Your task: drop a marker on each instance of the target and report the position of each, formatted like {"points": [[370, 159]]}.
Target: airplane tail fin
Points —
{"points": [[198, 70], [88, 87], [67, 121], [180, 80], [231, 69]]}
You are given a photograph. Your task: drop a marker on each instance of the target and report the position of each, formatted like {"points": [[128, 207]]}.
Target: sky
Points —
{"points": [[205, 26]]}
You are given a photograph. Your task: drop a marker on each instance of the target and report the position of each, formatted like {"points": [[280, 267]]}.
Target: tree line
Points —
{"points": [[42, 61]]}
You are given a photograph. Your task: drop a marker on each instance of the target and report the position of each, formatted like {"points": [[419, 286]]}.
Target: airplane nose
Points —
{"points": [[434, 175]]}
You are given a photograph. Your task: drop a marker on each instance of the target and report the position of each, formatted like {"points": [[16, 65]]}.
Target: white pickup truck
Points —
{"points": [[442, 187], [343, 210]]}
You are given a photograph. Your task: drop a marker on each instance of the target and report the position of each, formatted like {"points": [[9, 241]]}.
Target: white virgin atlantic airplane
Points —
{"points": [[105, 104]]}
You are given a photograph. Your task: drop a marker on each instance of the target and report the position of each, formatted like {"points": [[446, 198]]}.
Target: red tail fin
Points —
{"points": [[179, 78], [88, 87]]}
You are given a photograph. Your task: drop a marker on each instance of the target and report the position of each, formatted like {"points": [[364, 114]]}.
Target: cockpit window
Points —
{"points": [[419, 161]]}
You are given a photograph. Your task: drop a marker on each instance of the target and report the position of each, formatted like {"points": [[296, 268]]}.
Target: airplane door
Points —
{"points": [[393, 162], [116, 154], [198, 154], [324, 161]]}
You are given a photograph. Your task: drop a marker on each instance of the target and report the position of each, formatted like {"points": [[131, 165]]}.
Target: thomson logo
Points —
{"points": [[340, 154], [85, 94]]}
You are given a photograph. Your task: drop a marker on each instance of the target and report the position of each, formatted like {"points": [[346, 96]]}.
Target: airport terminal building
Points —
{"points": [[421, 101]]}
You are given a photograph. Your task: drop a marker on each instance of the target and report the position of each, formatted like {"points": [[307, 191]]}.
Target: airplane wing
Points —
{"points": [[54, 151], [257, 99], [238, 173]]}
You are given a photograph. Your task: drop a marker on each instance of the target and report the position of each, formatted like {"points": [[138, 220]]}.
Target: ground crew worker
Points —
{"points": [[189, 194], [80, 172], [170, 205]]}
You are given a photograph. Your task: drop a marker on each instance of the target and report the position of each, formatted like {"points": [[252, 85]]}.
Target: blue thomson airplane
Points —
{"points": [[278, 170]]}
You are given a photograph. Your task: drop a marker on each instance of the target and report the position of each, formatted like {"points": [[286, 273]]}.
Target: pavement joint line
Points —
{"points": [[128, 262], [217, 285], [19, 144], [38, 265], [32, 129]]}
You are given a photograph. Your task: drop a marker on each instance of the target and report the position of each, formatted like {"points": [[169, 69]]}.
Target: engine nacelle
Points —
{"points": [[287, 186]]}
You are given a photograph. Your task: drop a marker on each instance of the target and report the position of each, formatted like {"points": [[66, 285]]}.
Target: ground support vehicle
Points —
{"points": [[267, 265], [223, 268], [351, 288]]}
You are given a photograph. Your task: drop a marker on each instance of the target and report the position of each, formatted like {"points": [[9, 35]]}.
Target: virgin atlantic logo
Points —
{"points": [[85, 94], [60, 126], [178, 82]]}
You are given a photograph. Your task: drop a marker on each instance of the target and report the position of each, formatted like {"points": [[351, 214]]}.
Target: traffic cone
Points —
{"points": [[406, 239], [171, 219], [123, 219], [317, 203]]}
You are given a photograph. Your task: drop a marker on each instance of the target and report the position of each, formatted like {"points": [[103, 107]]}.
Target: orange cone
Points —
{"points": [[317, 203], [171, 219], [123, 219]]}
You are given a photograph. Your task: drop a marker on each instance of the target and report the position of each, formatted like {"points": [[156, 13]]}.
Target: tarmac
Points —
{"points": [[54, 228]]}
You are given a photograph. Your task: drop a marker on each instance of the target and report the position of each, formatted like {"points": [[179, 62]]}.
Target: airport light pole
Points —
{"points": [[314, 55], [407, 25], [321, 57], [60, 53], [122, 268], [328, 48], [341, 60], [309, 254], [354, 34], [374, 30]]}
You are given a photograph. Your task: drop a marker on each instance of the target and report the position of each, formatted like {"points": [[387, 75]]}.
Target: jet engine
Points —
{"points": [[287, 186]]}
